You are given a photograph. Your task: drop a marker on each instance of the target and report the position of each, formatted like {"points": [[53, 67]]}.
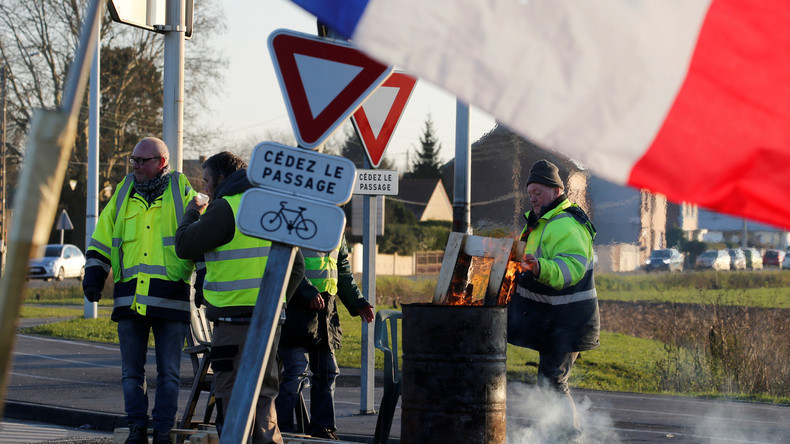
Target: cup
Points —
{"points": [[201, 198]]}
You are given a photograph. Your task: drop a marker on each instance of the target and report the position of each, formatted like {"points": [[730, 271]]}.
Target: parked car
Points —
{"points": [[714, 259], [668, 259], [786, 262], [737, 259], [59, 261], [773, 258], [754, 260]]}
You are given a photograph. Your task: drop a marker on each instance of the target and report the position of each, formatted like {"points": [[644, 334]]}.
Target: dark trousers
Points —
{"points": [[323, 366], [554, 369], [226, 350]]}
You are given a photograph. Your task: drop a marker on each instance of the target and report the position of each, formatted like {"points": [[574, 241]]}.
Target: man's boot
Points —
{"points": [[162, 437], [137, 434]]}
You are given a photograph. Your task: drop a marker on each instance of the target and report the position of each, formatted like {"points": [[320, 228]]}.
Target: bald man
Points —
{"points": [[135, 238]]}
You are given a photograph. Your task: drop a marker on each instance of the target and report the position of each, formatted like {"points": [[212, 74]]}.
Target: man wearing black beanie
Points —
{"points": [[555, 307]]}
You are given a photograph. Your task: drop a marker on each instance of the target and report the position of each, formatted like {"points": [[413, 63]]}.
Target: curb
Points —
{"points": [[66, 417]]}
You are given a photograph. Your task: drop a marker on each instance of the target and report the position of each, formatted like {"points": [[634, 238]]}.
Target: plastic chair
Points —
{"points": [[386, 340]]}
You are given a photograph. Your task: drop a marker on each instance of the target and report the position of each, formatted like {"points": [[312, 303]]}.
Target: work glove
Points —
{"points": [[92, 294]]}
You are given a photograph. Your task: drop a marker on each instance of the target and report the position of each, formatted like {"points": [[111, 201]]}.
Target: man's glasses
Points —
{"points": [[141, 160]]}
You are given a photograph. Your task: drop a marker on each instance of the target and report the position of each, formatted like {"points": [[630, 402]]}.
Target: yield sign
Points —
{"points": [[377, 118], [323, 82]]}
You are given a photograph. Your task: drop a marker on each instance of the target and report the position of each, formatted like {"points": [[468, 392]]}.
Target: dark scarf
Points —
{"points": [[533, 218], [155, 187]]}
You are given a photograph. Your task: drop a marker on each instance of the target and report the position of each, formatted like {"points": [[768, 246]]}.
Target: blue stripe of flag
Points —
{"points": [[340, 15]]}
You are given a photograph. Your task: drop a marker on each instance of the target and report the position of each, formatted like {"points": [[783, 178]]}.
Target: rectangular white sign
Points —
{"points": [[358, 215], [379, 182], [302, 172], [291, 220]]}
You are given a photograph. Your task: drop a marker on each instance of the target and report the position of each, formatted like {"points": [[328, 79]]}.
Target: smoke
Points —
{"points": [[534, 415], [727, 424]]}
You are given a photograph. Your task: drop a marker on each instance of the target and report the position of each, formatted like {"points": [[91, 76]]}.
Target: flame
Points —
{"points": [[463, 285], [509, 282]]}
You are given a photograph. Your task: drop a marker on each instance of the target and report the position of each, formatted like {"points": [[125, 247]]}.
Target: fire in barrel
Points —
{"points": [[454, 350]]}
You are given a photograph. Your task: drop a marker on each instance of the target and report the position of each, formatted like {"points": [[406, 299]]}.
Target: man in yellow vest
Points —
{"points": [[555, 308], [312, 333], [230, 281], [134, 237]]}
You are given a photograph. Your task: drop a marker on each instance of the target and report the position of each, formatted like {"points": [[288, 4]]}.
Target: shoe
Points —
{"points": [[323, 432], [137, 434], [162, 437]]}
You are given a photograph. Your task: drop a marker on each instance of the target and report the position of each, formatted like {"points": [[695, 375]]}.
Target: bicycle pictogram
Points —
{"points": [[273, 220]]}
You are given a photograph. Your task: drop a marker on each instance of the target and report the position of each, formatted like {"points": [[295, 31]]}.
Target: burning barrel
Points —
{"points": [[454, 374]]}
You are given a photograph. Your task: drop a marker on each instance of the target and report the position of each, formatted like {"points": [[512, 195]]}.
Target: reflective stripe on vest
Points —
{"points": [[583, 290], [321, 269], [234, 270], [140, 257]]}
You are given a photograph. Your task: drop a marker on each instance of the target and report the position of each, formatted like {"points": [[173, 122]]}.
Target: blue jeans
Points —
{"points": [[169, 337], [323, 366]]}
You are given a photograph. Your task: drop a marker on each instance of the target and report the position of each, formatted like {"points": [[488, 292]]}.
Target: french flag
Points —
{"points": [[688, 98]]}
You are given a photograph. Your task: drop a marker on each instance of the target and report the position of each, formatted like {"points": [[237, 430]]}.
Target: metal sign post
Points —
{"points": [[297, 204], [258, 346], [366, 404]]}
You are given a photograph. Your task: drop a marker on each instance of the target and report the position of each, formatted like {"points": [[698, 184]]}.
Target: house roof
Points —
{"points": [[720, 222], [501, 161], [416, 193]]}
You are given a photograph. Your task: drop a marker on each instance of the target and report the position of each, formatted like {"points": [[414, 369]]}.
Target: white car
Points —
{"points": [[60, 261], [715, 259]]}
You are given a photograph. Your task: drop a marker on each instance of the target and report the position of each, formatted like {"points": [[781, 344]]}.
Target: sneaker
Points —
{"points": [[162, 437], [323, 432], [137, 434]]}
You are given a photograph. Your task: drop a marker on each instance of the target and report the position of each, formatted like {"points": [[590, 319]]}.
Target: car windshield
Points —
{"points": [[771, 254], [53, 250], [660, 254], [710, 254]]}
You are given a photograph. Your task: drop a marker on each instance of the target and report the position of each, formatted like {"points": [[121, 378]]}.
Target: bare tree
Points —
{"points": [[131, 82]]}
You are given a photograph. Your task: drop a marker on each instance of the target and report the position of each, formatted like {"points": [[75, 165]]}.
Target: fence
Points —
{"points": [[422, 262]]}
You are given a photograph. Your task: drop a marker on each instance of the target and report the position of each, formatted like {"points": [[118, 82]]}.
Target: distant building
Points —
{"points": [[716, 227], [630, 222], [426, 198]]}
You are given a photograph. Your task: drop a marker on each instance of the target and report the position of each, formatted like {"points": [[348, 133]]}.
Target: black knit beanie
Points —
{"points": [[546, 173]]}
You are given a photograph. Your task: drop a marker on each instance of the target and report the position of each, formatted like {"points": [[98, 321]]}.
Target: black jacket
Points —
{"points": [[198, 234], [305, 327]]}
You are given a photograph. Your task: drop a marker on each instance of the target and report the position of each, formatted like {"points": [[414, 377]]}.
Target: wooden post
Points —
{"points": [[49, 145]]}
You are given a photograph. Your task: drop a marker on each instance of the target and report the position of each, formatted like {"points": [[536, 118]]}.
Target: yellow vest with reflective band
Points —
{"points": [[564, 248], [321, 269], [139, 240], [234, 270]]}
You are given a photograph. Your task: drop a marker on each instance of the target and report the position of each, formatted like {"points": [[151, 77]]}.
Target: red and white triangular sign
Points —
{"points": [[377, 118], [323, 81]]}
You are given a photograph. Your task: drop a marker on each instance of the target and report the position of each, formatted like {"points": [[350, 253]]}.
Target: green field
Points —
{"points": [[622, 363]]}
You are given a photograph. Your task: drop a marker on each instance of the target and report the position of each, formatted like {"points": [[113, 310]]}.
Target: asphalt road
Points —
{"points": [[73, 383], [77, 384]]}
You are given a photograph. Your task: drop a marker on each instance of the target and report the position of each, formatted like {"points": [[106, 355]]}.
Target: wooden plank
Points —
{"points": [[487, 247], [454, 244], [518, 251], [501, 251]]}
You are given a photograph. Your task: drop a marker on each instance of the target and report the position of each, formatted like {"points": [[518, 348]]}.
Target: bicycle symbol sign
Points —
{"points": [[290, 219], [273, 220]]}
